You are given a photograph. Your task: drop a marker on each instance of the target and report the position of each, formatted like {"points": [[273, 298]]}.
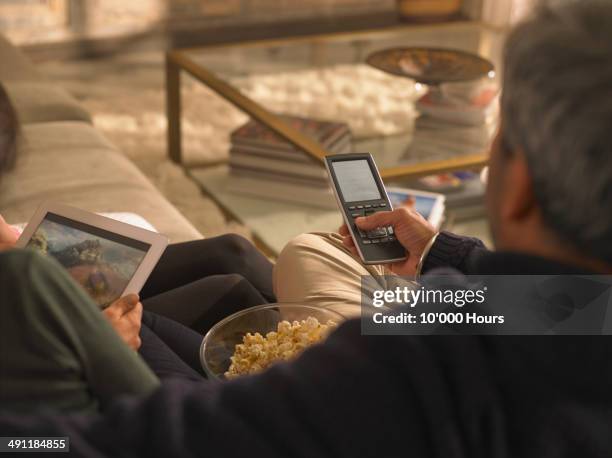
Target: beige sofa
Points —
{"points": [[63, 158]]}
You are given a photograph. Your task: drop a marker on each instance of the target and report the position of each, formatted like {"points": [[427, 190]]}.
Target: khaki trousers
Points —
{"points": [[316, 269]]}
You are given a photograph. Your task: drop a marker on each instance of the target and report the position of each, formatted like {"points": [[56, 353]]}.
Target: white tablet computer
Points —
{"points": [[429, 204], [108, 258]]}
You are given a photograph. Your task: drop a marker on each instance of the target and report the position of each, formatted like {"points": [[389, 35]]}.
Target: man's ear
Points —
{"points": [[519, 201]]}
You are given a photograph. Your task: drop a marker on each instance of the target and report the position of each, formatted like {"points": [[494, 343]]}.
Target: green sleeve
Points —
{"points": [[56, 347]]}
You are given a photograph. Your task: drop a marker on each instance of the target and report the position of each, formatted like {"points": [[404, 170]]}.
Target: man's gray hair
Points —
{"points": [[557, 109]]}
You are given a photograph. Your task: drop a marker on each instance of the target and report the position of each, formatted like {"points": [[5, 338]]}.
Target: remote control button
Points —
{"points": [[360, 232], [390, 230], [383, 205], [352, 208], [376, 241], [368, 206], [366, 241], [360, 206], [356, 214], [377, 233], [384, 240], [392, 239]]}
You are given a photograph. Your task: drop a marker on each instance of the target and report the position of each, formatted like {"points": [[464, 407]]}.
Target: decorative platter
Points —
{"points": [[431, 65]]}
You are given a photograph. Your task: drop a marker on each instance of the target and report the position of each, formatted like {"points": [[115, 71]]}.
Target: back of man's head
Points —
{"points": [[557, 110]]}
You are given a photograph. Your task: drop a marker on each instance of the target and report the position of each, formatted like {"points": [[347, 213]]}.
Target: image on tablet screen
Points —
{"points": [[422, 204], [102, 262]]}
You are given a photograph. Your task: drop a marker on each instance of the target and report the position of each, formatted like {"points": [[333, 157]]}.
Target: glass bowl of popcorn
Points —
{"points": [[254, 339]]}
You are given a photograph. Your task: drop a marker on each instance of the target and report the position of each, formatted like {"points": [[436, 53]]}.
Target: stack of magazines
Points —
{"points": [[264, 164], [457, 119]]}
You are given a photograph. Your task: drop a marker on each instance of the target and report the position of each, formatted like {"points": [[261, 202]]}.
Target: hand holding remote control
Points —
{"points": [[360, 192], [412, 231]]}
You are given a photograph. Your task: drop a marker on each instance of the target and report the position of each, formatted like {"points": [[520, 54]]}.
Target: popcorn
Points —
{"points": [[257, 352]]}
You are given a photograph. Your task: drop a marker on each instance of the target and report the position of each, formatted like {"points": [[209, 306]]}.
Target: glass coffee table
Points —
{"points": [[242, 73], [324, 77]]}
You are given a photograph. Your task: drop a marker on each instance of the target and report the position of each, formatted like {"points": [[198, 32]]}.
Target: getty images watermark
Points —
{"points": [[494, 304]]}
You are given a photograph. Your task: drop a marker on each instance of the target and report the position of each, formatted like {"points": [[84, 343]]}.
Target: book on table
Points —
{"points": [[264, 164], [253, 133]]}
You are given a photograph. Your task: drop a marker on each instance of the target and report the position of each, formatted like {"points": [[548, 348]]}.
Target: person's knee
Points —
{"points": [[301, 255], [301, 242], [235, 244], [237, 283], [242, 292], [236, 248], [299, 246]]}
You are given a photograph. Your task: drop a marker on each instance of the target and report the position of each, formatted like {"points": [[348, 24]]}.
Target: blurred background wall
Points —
{"points": [[32, 22]]}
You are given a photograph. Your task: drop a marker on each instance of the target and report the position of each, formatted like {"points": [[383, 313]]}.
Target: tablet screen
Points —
{"points": [[422, 204], [101, 261]]}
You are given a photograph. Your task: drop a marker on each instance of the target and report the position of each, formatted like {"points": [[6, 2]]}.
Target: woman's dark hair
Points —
{"points": [[9, 132]]}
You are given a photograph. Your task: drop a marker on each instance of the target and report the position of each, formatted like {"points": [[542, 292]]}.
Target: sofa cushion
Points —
{"points": [[70, 162], [15, 65], [42, 102], [43, 137]]}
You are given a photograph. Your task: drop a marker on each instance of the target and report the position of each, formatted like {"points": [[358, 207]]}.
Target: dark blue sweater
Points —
{"points": [[375, 396]]}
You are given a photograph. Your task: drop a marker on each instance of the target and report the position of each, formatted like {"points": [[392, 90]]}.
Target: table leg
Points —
{"points": [[173, 109]]}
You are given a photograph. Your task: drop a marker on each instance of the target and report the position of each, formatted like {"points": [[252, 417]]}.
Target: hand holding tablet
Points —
{"points": [[8, 235], [109, 259]]}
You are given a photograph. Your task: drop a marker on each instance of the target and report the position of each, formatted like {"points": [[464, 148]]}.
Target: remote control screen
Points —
{"points": [[356, 180]]}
